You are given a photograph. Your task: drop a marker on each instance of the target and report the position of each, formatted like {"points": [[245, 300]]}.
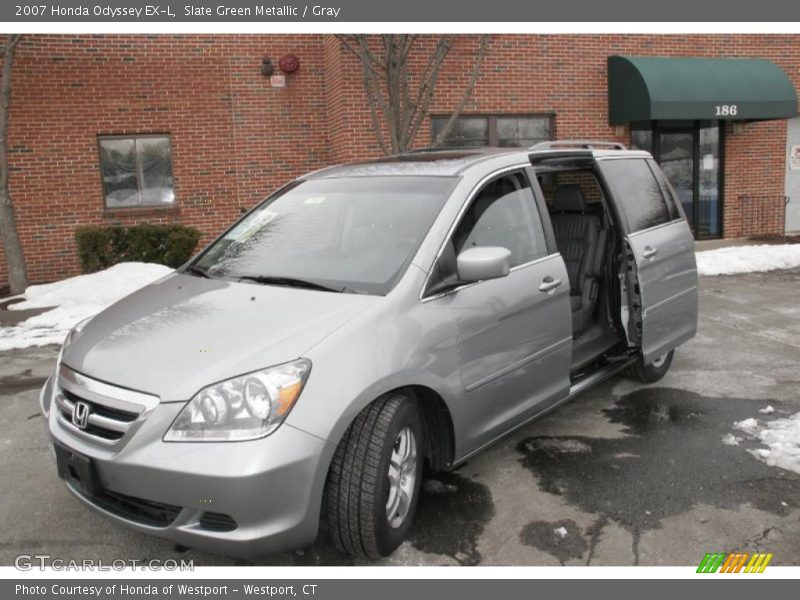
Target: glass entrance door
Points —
{"points": [[708, 183], [690, 153], [676, 157]]}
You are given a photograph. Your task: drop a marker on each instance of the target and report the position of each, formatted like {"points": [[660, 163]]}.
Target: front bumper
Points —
{"points": [[270, 489]]}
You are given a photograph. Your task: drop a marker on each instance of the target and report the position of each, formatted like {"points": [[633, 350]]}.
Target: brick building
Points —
{"points": [[185, 128]]}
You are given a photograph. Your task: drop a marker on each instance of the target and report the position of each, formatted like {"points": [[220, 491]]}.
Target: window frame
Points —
{"points": [[491, 118], [139, 173], [539, 206]]}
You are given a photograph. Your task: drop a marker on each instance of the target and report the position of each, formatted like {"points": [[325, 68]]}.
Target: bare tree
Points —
{"points": [[17, 273], [396, 106]]}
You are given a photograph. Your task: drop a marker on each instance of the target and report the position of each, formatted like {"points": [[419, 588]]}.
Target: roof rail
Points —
{"points": [[586, 144]]}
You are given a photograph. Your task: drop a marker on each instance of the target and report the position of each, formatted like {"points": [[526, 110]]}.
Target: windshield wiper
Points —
{"points": [[198, 271], [289, 282]]}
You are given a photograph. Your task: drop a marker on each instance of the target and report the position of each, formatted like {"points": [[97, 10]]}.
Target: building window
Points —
{"points": [[136, 170], [494, 130]]}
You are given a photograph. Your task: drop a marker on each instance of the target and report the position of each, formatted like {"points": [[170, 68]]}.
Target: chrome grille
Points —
{"points": [[111, 425], [110, 412]]}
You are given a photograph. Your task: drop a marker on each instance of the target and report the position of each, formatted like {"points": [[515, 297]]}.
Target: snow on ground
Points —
{"points": [[75, 299], [730, 440], [781, 438], [748, 259]]}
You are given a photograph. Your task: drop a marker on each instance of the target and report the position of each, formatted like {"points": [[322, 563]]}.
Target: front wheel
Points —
{"points": [[652, 372], [374, 479]]}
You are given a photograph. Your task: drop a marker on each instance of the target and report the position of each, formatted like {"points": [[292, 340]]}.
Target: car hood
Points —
{"points": [[175, 336]]}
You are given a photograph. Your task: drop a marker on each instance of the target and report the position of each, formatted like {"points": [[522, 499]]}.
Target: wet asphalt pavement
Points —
{"points": [[625, 474]]}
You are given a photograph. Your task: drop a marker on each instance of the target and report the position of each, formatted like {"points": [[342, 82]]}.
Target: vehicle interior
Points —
{"points": [[590, 243]]}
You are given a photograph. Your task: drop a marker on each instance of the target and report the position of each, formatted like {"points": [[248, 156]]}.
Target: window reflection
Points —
{"points": [[708, 210], [136, 171], [676, 160]]}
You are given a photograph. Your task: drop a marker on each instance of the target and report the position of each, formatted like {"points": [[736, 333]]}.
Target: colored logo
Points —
{"points": [[738, 562]]}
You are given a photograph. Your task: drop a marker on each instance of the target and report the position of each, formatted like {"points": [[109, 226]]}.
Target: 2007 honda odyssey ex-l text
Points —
{"points": [[364, 321]]}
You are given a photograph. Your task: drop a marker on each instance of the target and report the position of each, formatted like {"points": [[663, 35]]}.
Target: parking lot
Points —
{"points": [[625, 474]]}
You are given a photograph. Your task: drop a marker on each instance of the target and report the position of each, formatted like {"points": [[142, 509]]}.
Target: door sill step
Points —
{"points": [[601, 374]]}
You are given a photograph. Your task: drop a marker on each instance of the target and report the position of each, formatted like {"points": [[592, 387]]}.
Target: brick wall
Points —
{"points": [[235, 138], [755, 163], [566, 75]]}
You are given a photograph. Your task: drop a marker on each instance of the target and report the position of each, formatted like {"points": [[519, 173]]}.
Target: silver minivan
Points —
{"points": [[365, 322]]}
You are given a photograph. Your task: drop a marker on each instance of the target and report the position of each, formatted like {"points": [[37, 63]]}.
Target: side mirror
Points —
{"points": [[487, 262]]}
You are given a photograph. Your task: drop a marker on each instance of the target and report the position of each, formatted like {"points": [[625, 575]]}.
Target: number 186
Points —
{"points": [[726, 110]]}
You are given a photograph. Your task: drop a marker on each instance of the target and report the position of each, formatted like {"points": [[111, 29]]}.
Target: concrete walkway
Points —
{"points": [[701, 245]]}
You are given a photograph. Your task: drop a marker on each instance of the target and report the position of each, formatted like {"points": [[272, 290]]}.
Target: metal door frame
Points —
{"points": [[659, 127]]}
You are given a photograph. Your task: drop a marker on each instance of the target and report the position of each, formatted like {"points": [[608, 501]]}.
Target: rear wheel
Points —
{"points": [[374, 480], [652, 372]]}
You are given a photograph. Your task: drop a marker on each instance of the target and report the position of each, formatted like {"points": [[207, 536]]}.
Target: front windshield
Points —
{"points": [[354, 234]]}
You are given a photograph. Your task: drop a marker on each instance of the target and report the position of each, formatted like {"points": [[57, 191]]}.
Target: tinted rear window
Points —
{"points": [[636, 192], [666, 189]]}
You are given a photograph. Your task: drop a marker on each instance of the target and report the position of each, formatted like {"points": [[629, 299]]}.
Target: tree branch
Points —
{"points": [[476, 70], [12, 246], [363, 53], [5, 99], [373, 114], [389, 89], [428, 86]]}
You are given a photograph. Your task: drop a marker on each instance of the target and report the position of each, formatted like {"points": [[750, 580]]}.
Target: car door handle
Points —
{"points": [[549, 284], [649, 252]]}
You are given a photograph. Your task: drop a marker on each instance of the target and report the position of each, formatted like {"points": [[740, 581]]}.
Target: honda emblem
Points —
{"points": [[80, 414]]}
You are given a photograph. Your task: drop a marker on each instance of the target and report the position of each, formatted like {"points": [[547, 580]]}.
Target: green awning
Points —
{"points": [[643, 88]]}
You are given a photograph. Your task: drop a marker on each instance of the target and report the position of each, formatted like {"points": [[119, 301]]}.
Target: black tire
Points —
{"points": [[357, 488], [652, 372]]}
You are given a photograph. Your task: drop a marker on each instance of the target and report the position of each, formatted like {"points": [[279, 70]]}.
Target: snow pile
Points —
{"points": [[75, 299], [748, 259], [781, 438], [730, 440], [748, 426]]}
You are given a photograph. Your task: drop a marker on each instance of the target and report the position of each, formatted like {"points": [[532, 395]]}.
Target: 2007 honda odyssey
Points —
{"points": [[363, 321]]}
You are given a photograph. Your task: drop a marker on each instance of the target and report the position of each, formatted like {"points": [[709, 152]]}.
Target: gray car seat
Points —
{"points": [[581, 240]]}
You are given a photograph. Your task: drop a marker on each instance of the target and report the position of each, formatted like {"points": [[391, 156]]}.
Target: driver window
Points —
{"points": [[504, 214]]}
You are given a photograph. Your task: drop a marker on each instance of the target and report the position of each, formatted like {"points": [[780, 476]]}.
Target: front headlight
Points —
{"points": [[247, 407]]}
